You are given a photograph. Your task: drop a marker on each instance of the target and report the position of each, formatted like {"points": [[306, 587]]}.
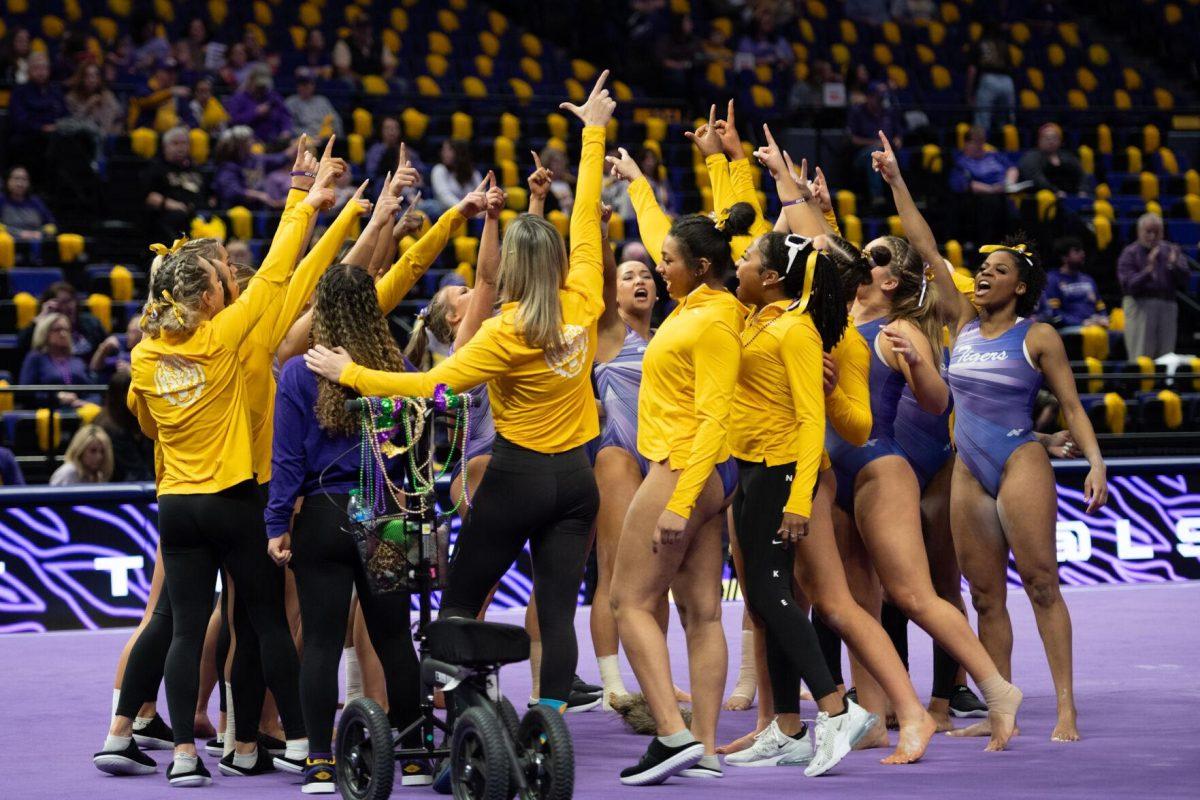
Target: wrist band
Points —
{"points": [[795, 202], [297, 189], [297, 172]]}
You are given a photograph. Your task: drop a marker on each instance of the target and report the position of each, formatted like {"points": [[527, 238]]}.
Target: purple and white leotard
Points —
{"points": [[617, 383]]}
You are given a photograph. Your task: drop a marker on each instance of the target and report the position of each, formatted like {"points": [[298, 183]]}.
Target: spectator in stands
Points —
{"points": [[60, 298], [1150, 271], [155, 104], [237, 66], [677, 53], [240, 170], [562, 186], [990, 87], [132, 451], [10, 470], [112, 356], [715, 49], [808, 95], [763, 45], [652, 170], [89, 459], [22, 212], [203, 110], [175, 189], [981, 178], [89, 101], [614, 192], [361, 53], [315, 55], [51, 361], [454, 175], [186, 70], [1051, 167], [34, 110], [14, 56], [238, 252], [312, 112], [197, 41], [148, 47], [913, 10], [383, 154], [1071, 298], [863, 123], [260, 107]]}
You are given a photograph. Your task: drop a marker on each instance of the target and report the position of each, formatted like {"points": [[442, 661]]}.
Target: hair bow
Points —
{"points": [[1019, 250], [164, 251], [174, 305], [719, 219]]}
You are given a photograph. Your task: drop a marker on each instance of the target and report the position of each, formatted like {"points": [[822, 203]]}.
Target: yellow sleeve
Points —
{"points": [[294, 197], [744, 192], [305, 278], [233, 324], [964, 283], [801, 359], [719, 178], [137, 405], [718, 354], [409, 268], [849, 406], [586, 274], [477, 362], [653, 223], [831, 221]]}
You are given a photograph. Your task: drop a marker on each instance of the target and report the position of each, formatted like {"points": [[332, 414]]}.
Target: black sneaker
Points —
{"points": [[215, 746], [703, 771], [295, 766], [320, 776], [275, 747], [416, 772], [196, 776], [852, 694], [156, 735], [965, 703], [262, 764], [130, 761], [661, 762], [585, 688]]}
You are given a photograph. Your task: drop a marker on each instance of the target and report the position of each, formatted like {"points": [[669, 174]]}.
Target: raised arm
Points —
{"points": [[539, 186], [653, 223], [487, 268], [611, 317], [800, 213], [586, 274], [953, 308]]}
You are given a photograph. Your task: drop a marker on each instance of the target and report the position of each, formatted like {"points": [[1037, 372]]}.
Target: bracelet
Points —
{"points": [[297, 189], [796, 202], [294, 173]]}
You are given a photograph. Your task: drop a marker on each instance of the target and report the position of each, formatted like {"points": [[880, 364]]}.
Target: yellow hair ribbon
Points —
{"points": [[162, 250], [719, 219], [810, 267], [1019, 250], [176, 308]]}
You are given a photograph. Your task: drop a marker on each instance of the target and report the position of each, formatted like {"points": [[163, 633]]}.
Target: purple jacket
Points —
{"points": [[276, 122], [1161, 282], [32, 107]]}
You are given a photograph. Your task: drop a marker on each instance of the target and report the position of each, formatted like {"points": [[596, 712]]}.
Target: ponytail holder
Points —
{"points": [[423, 313], [176, 308], [164, 251], [924, 288], [1018, 250], [719, 219], [795, 244]]}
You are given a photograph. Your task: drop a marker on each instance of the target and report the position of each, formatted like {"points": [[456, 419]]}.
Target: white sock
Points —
{"points": [[678, 739], [297, 749], [245, 760], [710, 762], [116, 699], [230, 730], [184, 763], [354, 688], [113, 744], [535, 668], [141, 722], [610, 676]]}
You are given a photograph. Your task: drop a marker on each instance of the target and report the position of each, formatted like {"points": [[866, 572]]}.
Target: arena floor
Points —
{"points": [[1136, 651]]}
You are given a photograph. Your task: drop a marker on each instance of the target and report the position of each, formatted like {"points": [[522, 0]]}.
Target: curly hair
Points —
{"points": [[176, 293], [346, 314]]}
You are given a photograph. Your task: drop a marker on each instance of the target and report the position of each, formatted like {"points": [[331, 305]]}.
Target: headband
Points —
{"points": [[795, 245]]}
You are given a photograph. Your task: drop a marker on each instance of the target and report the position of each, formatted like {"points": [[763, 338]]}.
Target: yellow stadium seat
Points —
{"points": [[484, 66], [925, 54], [1056, 55], [852, 230], [1104, 139], [937, 33], [1037, 81], [1191, 182], [1116, 320], [556, 124], [8, 251], [583, 71], [353, 14], [575, 90], [961, 130], [954, 253], [1103, 192], [556, 143], [656, 128], [44, 424], [1172, 409], [1016, 55], [1094, 366], [762, 97], [399, 19], [1163, 99], [611, 129], [616, 228], [1145, 365], [882, 54], [120, 281], [891, 32], [621, 91], [532, 69], [489, 44], [817, 9], [462, 126], [415, 124], [435, 65], [531, 44], [1133, 80], [1047, 205], [653, 147], [506, 216], [262, 14], [1148, 186], [52, 26], [440, 43], [200, 228], [521, 90], [1192, 203], [763, 73], [895, 73], [510, 126], [362, 122], [106, 29], [724, 25], [680, 7], [356, 148], [1098, 54], [1086, 79], [376, 86], [466, 248], [509, 175], [560, 221], [1103, 208], [70, 247], [931, 158], [448, 20], [950, 14], [1087, 159], [895, 226], [26, 308], [1151, 138], [1069, 33], [848, 31], [1122, 100], [391, 40], [714, 73], [1114, 412], [1154, 207], [1172, 14], [1011, 138], [1170, 164], [143, 142], [199, 145], [1020, 32], [1133, 159], [6, 398], [298, 35], [428, 87], [100, 306], [309, 15], [940, 77], [1103, 229], [120, 8], [497, 22], [74, 13], [1076, 99], [504, 149], [473, 87], [840, 54], [241, 222]]}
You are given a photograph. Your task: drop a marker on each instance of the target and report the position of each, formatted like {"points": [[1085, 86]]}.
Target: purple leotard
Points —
{"points": [[924, 437], [481, 429], [886, 385], [994, 384]]}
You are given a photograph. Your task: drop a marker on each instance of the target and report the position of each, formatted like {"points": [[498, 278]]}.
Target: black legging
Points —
{"points": [[549, 500], [223, 644], [793, 652], [199, 534], [326, 562], [144, 667], [831, 647]]}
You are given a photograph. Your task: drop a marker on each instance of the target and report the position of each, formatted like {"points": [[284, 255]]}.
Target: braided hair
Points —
{"points": [[915, 297], [853, 268], [826, 305], [346, 314], [176, 293], [699, 236]]}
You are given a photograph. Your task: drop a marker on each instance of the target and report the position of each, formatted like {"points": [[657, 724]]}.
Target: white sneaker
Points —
{"points": [[836, 736], [771, 747]]}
